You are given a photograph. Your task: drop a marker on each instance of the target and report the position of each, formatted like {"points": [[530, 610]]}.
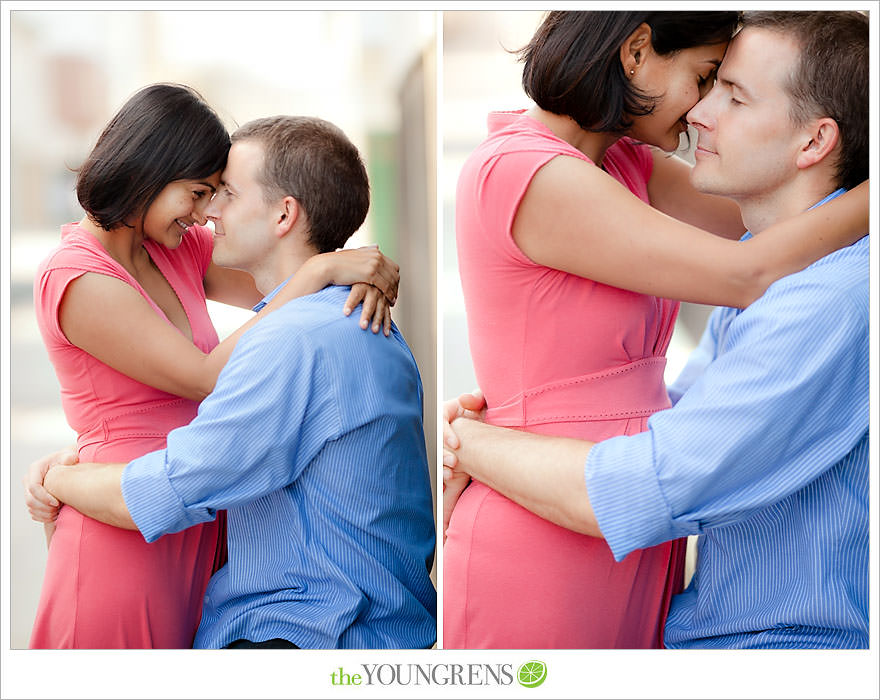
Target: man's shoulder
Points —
{"points": [[316, 315], [316, 324], [840, 278]]}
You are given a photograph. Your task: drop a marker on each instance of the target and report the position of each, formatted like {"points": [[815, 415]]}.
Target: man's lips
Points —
{"points": [[704, 151]]}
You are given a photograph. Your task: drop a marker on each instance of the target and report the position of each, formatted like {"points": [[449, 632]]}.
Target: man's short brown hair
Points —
{"points": [[830, 78], [314, 162]]}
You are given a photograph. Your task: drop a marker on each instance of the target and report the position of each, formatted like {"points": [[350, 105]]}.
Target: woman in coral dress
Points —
{"points": [[121, 305], [567, 280]]}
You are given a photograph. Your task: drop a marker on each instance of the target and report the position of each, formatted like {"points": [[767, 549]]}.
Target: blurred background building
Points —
{"points": [[371, 73]]}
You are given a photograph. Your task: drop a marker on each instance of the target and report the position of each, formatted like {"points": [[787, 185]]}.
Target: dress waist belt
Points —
{"points": [[153, 420], [626, 391]]}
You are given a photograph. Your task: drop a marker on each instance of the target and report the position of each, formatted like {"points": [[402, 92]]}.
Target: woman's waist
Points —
{"points": [[127, 433], [624, 392]]}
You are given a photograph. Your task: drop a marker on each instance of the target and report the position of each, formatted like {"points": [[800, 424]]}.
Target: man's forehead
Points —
{"points": [[756, 54], [243, 158]]}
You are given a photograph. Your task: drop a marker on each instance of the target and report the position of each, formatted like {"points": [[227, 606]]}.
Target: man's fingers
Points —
{"points": [[35, 493], [473, 402], [39, 511], [67, 457], [450, 461]]}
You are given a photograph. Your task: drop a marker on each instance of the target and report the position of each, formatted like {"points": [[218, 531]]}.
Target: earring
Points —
{"points": [[632, 72]]}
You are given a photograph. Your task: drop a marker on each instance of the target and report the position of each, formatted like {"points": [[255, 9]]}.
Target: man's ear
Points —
{"points": [[287, 213], [821, 138]]}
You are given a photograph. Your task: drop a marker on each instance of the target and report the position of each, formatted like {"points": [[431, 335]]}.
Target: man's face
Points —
{"points": [[243, 221], [747, 142]]}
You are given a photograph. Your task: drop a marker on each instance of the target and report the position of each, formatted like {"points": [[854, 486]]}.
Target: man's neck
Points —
{"points": [[282, 265], [761, 212]]}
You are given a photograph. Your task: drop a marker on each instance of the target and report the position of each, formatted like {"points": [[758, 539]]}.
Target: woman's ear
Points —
{"points": [[634, 49], [820, 139]]}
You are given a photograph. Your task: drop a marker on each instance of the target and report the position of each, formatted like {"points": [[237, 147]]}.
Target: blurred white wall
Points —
{"points": [[371, 73]]}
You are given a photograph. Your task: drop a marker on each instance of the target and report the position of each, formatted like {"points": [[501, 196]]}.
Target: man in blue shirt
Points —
{"points": [[312, 439], [765, 451]]}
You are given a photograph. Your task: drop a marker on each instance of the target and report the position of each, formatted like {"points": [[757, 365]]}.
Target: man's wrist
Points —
{"points": [[53, 481], [467, 430]]}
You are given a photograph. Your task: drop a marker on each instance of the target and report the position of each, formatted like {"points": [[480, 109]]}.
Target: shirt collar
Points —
{"points": [[271, 295], [831, 196]]}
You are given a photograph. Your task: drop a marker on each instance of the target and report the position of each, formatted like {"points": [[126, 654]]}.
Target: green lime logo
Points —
{"points": [[531, 674]]}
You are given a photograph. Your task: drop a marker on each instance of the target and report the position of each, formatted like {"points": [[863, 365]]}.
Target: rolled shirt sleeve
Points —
{"points": [[783, 401], [245, 442], [152, 502]]}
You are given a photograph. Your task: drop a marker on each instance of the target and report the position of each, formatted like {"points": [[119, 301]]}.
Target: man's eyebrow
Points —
{"points": [[727, 82]]}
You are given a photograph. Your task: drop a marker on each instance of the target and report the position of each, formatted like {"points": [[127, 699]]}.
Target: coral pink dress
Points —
{"points": [[105, 587], [560, 355]]}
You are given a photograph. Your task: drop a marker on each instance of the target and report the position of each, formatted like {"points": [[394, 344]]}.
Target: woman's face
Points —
{"points": [[679, 81], [178, 206]]}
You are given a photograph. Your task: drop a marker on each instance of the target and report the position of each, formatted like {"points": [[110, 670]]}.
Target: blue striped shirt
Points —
{"points": [[765, 456], [313, 442]]}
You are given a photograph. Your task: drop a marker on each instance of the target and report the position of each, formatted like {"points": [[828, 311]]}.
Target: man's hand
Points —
{"points": [[454, 479], [467, 405], [42, 506], [94, 489]]}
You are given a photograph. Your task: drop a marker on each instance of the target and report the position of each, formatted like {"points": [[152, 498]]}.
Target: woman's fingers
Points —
{"points": [[368, 310], [355, 297]]}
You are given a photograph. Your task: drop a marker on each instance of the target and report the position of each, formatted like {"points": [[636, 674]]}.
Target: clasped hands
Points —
{"points": [[42, 506], [455, 478]]}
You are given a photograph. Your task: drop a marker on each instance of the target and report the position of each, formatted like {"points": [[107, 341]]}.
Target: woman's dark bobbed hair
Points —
{"points": [[164, 132], [572, 63]]}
